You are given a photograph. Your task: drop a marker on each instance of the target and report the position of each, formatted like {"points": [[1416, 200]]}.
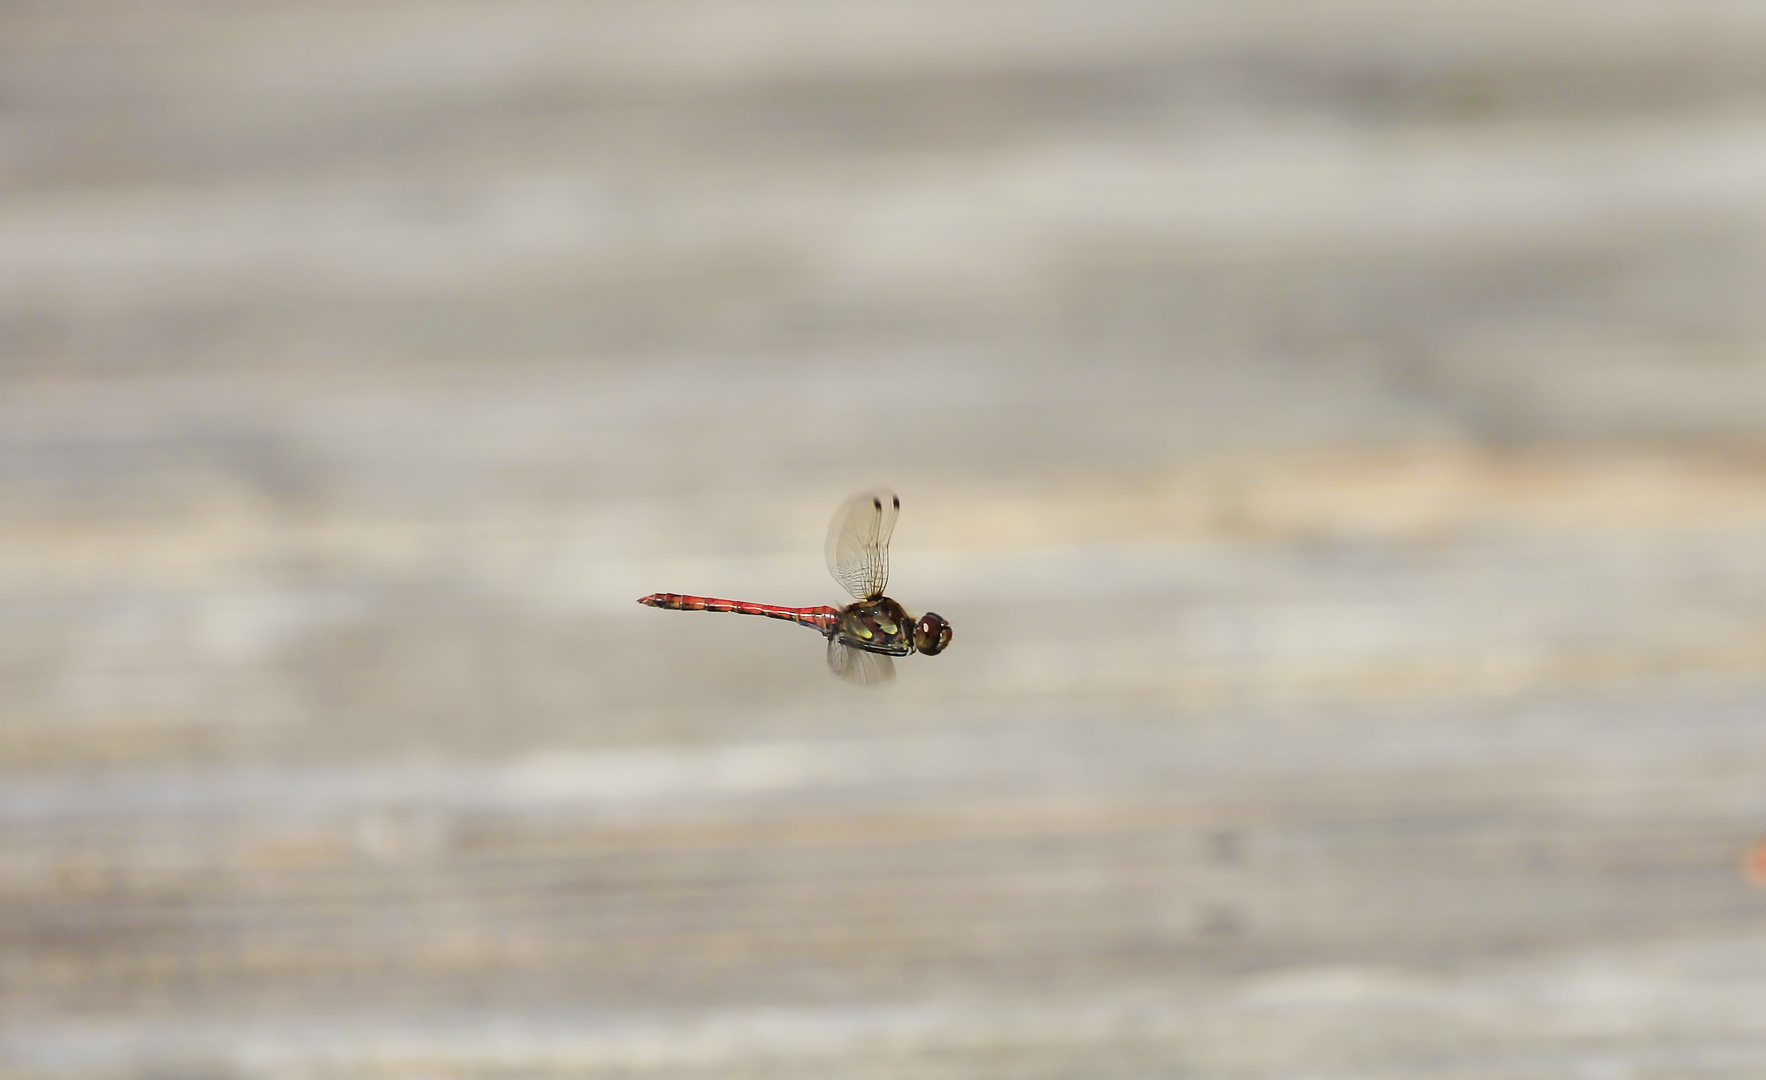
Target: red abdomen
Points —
{"points": [[821, 619]]}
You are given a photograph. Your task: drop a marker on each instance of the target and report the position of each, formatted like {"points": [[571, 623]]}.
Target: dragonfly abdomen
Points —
{"points": [[822, 619]]}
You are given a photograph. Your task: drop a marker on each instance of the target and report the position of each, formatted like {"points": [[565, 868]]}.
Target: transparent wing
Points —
{"points": [[858, 542], [857, 665]]}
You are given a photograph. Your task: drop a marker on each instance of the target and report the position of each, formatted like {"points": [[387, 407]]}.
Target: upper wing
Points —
{"points": [[858, 542], [857, 665]]}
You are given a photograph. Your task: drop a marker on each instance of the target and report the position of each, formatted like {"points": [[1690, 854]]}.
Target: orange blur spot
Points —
{"points": [[1753, 865]]}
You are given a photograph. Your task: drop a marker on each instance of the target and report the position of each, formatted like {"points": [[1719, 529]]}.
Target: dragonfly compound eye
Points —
{"points": [[931, 634]]}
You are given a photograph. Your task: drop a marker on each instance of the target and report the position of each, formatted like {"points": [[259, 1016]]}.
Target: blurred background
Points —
{"points": [[1335, 430]]}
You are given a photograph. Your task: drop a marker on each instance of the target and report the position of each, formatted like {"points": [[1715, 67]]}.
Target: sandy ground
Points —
{"points": [[1337, 433]]}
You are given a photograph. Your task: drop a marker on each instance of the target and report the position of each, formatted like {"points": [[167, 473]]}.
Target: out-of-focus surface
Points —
{"points": [[1334, 432]]}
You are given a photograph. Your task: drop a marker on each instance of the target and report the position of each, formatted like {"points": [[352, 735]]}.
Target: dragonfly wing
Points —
{"points": [[858, 542], [857, 665]]}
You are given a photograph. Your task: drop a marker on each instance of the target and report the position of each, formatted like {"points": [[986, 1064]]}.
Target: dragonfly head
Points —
{"points": [[931, 634]]}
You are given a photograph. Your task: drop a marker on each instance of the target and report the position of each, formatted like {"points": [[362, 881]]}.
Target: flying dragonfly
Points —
{"points": [[862, 636]]}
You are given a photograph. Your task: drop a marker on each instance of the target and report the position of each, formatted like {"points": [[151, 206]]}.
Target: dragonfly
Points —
{"points": [[865, 635]]}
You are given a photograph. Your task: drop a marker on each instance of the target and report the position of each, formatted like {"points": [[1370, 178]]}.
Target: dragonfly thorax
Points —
{"points": [[877, 625]]}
